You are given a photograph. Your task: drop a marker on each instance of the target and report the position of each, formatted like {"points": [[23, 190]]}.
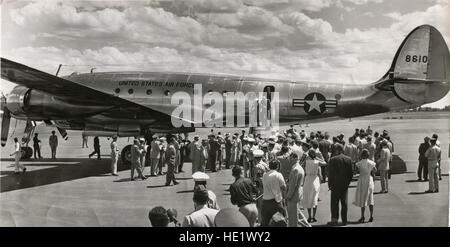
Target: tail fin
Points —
{"points": [[420, 70]]}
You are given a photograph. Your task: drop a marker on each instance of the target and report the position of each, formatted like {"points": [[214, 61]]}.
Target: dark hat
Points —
{"points": [[230, 217]]}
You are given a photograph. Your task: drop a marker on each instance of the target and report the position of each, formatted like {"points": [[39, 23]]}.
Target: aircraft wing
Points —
{"points": [[35, 79], [42, 81]]}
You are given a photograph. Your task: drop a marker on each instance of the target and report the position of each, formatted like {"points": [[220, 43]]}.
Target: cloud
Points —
{"points": [[276, 39], [317, 28]]}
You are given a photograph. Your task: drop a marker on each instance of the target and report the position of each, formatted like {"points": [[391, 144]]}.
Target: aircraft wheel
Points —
{"points": [[126, 155], [27, 152]]}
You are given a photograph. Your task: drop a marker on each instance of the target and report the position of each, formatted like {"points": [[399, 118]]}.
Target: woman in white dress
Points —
{"points": [[311, 187], [365, 186]]}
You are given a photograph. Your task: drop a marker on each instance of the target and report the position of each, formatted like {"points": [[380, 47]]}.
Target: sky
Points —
{"points": [[339, 41]]}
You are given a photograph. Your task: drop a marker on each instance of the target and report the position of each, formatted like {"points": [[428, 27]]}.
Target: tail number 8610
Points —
{"points": [[416, 59]]}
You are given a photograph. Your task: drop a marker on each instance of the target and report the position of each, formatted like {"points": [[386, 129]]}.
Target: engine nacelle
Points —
{"points": [[34, 104], [17, 101]]}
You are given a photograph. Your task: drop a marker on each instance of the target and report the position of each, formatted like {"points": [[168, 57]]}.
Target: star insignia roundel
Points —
{"points": [[314, 104]]}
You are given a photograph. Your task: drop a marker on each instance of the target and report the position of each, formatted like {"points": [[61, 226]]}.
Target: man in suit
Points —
{"points": [[422, 171], [243, 194], [228, 146], [294, 194], [340, 173], [214, 147], [324, 147], [96, 148], [37, 146]]}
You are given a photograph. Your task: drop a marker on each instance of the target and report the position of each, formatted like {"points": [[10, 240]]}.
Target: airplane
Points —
{"points": [[130, 104]]}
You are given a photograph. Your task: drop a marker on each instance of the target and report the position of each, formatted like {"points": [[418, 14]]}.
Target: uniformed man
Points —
{"points": [[204, 155], [195, 154], [184, 151], [260, 169], [201, 178], [351, 150], [37, 146], [176, 145], [245, 154], [162, 154], [383, 166], [294, 194], [17, 156], [171, 155], [136, 153], [114, 156], [433, 155], [84, 139], [143, 147], [154, 155], [53, 142]]}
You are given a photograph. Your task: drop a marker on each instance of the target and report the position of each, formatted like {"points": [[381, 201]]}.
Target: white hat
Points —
{"points": [[200, 176], [258, 153], [251, 140], [142, 139], [162, 138]]}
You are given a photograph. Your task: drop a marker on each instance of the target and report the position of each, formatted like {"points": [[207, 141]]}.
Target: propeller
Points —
{"points": [[6, 119]]}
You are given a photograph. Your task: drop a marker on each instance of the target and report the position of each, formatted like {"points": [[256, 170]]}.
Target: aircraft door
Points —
{"points": [[268, 90]]}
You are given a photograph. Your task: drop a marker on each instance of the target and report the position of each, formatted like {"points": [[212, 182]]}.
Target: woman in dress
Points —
{"points": [[311, 187], [364, 189]]}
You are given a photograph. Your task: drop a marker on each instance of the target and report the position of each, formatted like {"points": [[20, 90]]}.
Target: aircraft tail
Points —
{"points": [[420, 71]]}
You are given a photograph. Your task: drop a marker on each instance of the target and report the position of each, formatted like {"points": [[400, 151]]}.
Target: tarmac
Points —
{"points": [[74, 190]]}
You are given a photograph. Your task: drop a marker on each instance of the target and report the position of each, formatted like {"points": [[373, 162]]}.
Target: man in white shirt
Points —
{"points": [[114, 156], [17, 155], [274, 187], [438, 144], [433, 154]]}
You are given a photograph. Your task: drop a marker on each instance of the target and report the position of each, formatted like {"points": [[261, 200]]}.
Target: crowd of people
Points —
{"points": [[277, 177]]}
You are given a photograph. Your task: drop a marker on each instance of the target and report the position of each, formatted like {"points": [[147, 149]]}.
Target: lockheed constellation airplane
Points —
{"points": [[135, 103]]}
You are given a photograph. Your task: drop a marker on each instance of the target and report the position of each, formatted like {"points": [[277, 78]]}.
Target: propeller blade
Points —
{"points": [[63, 133], [6, 119]]}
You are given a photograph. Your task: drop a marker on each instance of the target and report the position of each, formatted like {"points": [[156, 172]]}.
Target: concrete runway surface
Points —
{"points": [[76, 191]]}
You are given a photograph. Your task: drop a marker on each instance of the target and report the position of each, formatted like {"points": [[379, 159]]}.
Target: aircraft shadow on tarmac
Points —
{"points": [[60, 170]]}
